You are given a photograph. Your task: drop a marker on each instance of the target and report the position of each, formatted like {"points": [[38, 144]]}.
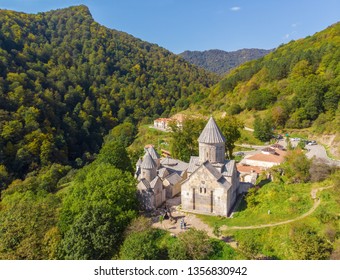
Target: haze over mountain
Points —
{"points": [[221, 62]]}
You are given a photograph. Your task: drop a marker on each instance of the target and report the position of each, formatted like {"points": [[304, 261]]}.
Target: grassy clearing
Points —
{"points": [[148, 135], [284, 202], [278, 242], [247, 137]]}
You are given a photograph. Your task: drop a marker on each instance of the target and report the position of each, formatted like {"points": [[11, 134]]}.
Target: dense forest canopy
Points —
{"points": [[221, 62], [65, 81]]}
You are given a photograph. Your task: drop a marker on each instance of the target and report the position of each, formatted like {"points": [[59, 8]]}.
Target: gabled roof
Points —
{"points": [[228, 168], [174, 165], [211, 133], [193, 164], [173, 178], [144, 185], [155, 181], [224, 182], [148, 162], [163, 172], [212, 170]]}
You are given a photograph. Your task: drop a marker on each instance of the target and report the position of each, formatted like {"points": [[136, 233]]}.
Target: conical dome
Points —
{"points": [[153, 153], [211, 133], [148, 162], [139, 162]]}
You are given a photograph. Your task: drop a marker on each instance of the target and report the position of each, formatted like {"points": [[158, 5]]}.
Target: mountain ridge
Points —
{"points": [[67, 80], [220, 61], [297, 86]]}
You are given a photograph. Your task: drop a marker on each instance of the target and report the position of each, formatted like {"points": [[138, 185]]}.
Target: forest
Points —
{"points": [[296, 86], [73, 96], [66, 81], [221, 62]]}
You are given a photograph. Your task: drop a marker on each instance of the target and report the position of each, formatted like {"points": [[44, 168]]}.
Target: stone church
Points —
{"points": [[207, 185], [158, 179], [212, 184]]}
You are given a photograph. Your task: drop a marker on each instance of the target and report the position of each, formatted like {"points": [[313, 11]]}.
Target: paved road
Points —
{"points": [[319, 151]]}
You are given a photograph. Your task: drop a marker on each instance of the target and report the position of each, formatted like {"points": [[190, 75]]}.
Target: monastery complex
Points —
{"points": [[208, 184]]}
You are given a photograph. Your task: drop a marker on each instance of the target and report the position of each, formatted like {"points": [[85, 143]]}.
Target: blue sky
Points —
{"points": [[179, 25]]}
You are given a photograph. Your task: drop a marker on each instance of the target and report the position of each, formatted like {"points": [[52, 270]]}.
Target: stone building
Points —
{"points": [[212, 184], [158, 179]]}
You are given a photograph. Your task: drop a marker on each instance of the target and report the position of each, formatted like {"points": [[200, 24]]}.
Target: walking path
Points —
{"points": [[315, 205], [193, 222]]}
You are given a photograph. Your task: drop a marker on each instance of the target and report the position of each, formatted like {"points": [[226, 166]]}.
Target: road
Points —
{"points": [[319, 151]]}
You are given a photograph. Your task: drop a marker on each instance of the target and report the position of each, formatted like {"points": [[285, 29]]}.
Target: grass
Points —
{"points": [[328, 152], [276, 242], [247, 137], [148, 135], [284, 202]]}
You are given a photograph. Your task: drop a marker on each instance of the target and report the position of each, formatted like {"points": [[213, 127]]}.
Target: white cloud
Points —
{"points": [[235, 9], [286, 36], [294, 25]]}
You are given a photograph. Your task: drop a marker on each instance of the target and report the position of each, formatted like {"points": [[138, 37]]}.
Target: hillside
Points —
{"points": [[296, 87], [221, 62], [66, 81]]}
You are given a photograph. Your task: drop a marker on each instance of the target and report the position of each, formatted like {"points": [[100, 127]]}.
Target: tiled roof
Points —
{"points": [[148, 162], [248, 168], [211, 133], [277, 158]]}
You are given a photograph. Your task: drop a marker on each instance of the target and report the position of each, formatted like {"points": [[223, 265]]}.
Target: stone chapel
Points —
{"points": [[212, 184]]}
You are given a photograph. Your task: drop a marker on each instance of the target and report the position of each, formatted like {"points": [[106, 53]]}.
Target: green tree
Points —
{"points": [[308, 245], [142, 245], [192, 244], [263, 129], [296, 167], [114, 153], [230, 128], [260, 99], [4, 178], [184, 139], [99, 206]]}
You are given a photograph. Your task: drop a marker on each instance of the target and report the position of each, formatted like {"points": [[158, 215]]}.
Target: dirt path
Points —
{"points": [[315, 205], [190, 219], [193, 222]]}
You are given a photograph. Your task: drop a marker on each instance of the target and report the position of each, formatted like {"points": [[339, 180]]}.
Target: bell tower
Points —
{"points": [[211, 143]]}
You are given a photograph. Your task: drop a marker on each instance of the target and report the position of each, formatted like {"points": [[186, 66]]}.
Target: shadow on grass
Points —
{"points": [[264, 182]]}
